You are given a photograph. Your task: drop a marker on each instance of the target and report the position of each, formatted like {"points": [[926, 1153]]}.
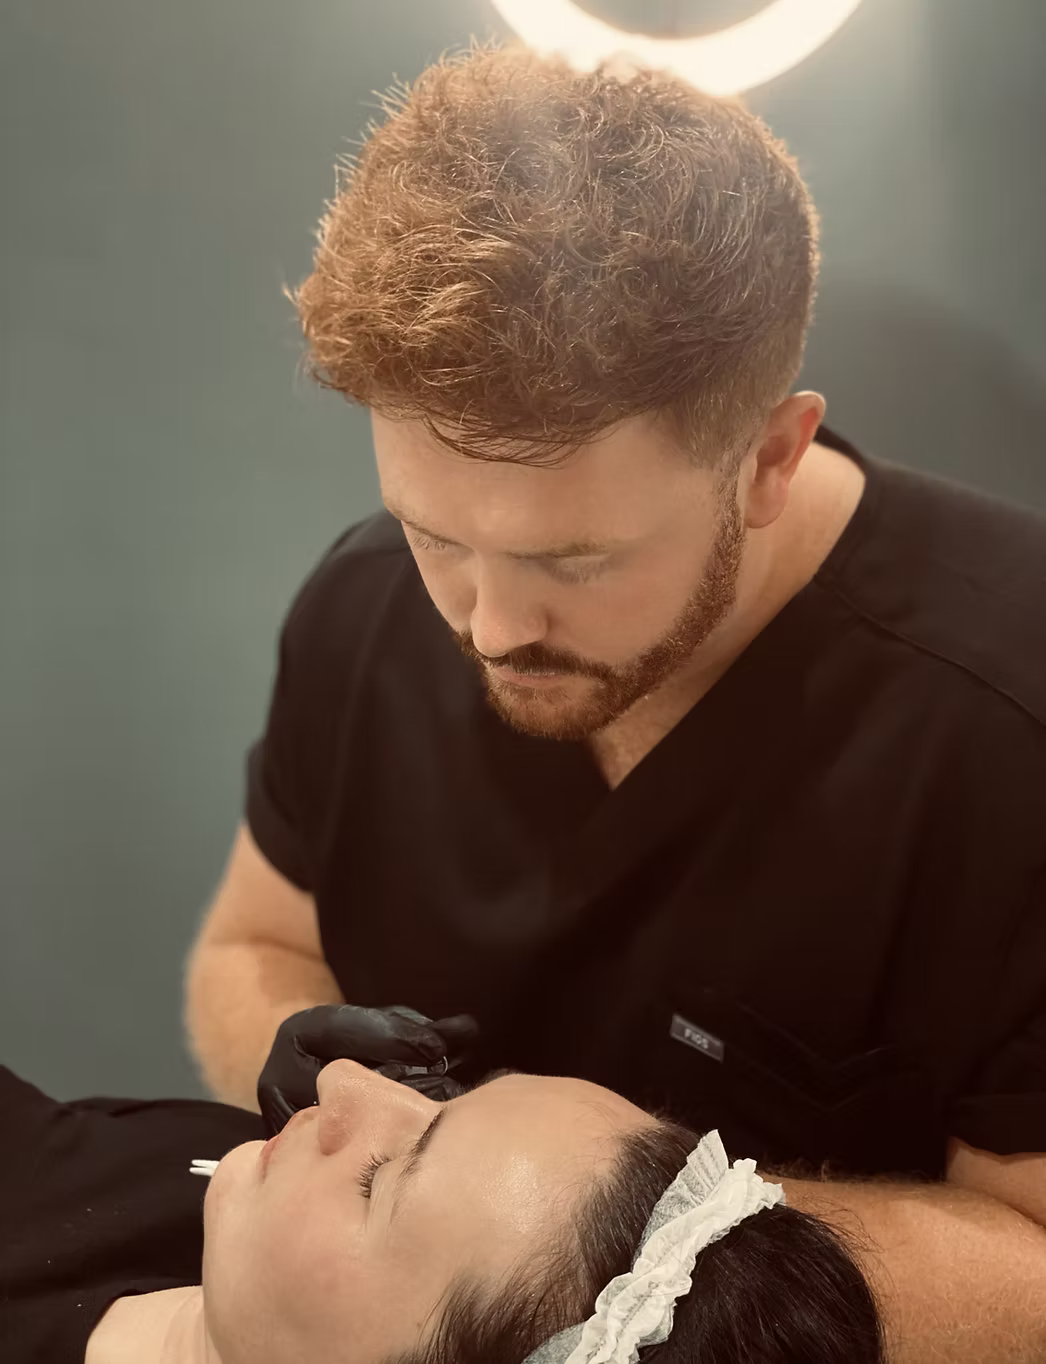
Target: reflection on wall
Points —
{"points": [[751, 49]]}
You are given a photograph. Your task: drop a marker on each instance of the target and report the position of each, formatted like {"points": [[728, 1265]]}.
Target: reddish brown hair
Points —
{"points": [[522, 255]]}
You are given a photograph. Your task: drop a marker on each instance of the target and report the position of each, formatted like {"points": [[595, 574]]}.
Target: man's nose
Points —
{"points": [[504, 617], [355, 1102]]}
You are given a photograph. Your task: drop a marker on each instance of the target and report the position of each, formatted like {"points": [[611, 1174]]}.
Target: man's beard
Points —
{"points": [[543, 713]]}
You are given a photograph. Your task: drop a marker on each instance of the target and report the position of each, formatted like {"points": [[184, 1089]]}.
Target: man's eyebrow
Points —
{"points": [[573, 549], [411, 1165]]}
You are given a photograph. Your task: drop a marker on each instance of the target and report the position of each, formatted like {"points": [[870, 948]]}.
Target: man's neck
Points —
{"points": [[154, 1328], [783, 559], [779, 563]]}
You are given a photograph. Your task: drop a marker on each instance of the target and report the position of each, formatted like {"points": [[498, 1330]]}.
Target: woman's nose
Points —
{"points": [[355, 1102]]}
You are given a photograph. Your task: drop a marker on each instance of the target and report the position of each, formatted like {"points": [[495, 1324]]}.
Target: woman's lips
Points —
{"points": [[266, 1153]]}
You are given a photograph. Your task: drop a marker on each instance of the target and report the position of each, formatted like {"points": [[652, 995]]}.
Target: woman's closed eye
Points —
{"points": [[365, 1180]]}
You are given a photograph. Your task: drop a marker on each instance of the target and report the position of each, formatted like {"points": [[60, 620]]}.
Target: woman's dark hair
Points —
{"points": [[782, 1287]]}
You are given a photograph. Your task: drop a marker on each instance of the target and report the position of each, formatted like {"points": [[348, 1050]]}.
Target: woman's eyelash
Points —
{"points": [[366, 1176]]}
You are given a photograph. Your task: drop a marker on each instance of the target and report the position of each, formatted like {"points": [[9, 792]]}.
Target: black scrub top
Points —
{"points": [[97, 1203], [813, 916]]}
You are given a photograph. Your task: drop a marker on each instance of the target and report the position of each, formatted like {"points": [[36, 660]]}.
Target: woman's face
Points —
{"points": [[300, 1263]]}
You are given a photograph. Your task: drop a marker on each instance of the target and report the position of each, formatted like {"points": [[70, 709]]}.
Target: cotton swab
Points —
{"points": [[203, 1167]]}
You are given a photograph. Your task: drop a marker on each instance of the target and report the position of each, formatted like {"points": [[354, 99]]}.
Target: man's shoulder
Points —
{"points": [[957, 574]]}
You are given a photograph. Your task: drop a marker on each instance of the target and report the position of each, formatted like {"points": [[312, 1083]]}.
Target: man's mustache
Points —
{"points": [[528, 660]]}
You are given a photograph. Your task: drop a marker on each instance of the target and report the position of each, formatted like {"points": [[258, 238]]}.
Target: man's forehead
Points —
{"points": [[591, 505], [580, 547]]}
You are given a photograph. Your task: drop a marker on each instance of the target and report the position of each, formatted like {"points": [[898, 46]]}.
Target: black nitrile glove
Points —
{"points": [[398, 1043]]}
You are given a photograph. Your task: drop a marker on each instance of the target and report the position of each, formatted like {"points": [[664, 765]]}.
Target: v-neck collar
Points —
{"points": [[598, 834]]}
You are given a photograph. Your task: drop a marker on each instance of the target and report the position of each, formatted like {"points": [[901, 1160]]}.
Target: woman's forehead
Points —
{"points": [[508, 1156], [544, 1119]]}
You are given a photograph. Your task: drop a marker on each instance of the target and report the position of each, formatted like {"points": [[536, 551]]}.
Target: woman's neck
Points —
{"points": [[154, 1328]]}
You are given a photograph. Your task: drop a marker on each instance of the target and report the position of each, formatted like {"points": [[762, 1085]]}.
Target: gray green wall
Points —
{"points": [[167, 478]]}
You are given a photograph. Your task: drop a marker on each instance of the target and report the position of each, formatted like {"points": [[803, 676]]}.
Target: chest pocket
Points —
{"points": [[771, 1094]]}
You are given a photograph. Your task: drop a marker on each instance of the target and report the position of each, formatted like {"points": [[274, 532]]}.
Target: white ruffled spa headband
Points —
{"points": [[705, 1200]]}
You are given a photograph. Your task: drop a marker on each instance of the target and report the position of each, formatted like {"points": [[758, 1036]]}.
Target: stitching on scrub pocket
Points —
{"points": [[751, 1042]]}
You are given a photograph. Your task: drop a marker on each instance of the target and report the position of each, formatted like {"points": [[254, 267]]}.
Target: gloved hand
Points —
{"points": [[398, 1043]]}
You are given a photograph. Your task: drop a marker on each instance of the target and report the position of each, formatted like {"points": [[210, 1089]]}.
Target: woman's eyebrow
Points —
{"points": [[411, 1165]]}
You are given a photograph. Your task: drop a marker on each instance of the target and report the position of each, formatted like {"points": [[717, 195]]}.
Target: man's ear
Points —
{"points": [[773, 462]]}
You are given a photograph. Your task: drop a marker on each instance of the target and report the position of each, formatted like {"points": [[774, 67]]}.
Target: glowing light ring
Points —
{"points": [[725, 63]]}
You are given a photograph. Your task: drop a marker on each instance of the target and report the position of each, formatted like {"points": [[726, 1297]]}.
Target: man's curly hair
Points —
{"points": [[522, 255]]}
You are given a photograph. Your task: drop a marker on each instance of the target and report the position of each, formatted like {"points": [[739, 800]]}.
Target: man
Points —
{"points": [[726, 785]]}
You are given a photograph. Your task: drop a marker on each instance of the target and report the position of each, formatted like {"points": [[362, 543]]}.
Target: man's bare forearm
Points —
{"points": [[237, 995], [960, 1277]]}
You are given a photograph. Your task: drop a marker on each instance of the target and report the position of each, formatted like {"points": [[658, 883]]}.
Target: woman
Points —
{"points": [[383, 1226]]}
